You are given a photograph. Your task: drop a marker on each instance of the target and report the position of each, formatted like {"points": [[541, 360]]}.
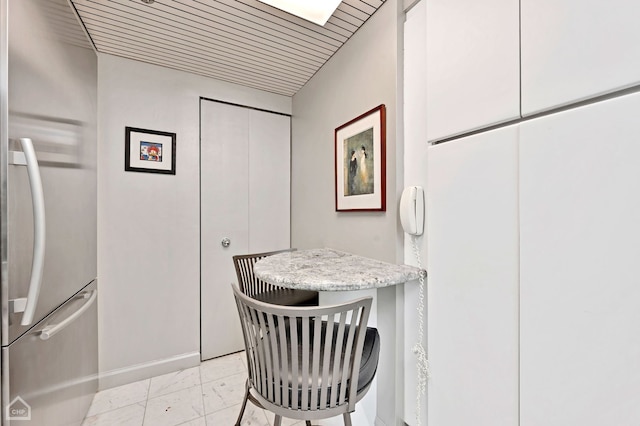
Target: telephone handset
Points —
{"points": [[412, 210]]}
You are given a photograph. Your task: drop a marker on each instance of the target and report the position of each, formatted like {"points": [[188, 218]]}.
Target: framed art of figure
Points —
{"points": [[360, 168], [149, 151]]}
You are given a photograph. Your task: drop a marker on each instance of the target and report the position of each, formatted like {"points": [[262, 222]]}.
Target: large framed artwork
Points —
{"points": [[149, 151], [360, 162]]}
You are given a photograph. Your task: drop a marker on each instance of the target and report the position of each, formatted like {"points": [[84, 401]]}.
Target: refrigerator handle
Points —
{"points": [[50, 330], [39, 230]]}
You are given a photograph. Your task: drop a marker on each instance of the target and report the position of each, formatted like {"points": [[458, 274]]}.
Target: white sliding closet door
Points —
{"points": [[269, 181], [245, 186]]}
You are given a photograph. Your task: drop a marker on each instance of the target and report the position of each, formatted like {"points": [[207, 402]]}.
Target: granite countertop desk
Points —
{"points": [[331, 270]]}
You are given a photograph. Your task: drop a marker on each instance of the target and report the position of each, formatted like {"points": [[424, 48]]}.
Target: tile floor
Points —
{"points": [[208, 395]]}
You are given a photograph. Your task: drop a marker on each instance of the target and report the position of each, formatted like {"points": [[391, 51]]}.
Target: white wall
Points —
{"points": [[360, 76], [148, 224]]}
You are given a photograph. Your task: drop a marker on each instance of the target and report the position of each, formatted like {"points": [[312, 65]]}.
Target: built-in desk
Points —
{"points": [[331, 270], [332, 273]]}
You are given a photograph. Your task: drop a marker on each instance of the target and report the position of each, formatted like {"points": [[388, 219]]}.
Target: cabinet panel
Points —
{"points": [[472, 228], [473, 69], [577, 49], [579, 206]]}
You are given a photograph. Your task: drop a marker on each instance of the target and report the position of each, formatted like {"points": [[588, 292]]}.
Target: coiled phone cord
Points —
{"points": [[418, 349]]}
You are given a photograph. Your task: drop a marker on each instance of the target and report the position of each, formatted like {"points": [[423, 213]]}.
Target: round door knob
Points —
{"points": [[226, 242]]}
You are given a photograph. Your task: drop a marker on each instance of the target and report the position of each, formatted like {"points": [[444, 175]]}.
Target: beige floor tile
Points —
{"points": [[121, 396], [285, 421], [219, 368], [131, 415], [332, 421], [223, 393], [175, 408], [168, 383], [253, 416], [200, 421], [179, 399]]}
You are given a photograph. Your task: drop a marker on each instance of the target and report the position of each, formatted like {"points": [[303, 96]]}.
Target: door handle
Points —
{"points": [[226, 242], [51, 330], [28, 158]]}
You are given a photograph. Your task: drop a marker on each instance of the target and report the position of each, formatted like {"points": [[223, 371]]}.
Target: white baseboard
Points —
{"points": [[146, 370]]}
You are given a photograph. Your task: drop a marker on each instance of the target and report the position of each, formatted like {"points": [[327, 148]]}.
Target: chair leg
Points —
{"points": [[278, 420], [347, 419], [244, 404], [307, 422]]}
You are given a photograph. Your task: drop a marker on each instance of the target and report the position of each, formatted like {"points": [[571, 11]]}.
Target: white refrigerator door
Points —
{"points": [[52, 98]]}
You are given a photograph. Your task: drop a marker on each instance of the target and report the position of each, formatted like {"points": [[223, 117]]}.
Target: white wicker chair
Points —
{"points": [[304, 361]]}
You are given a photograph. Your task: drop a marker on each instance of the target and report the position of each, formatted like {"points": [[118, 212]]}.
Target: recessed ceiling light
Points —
{"points": [[316, 11]]}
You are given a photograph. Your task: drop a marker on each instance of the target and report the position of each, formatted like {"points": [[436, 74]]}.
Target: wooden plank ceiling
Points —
{"points": [[240, 41]]}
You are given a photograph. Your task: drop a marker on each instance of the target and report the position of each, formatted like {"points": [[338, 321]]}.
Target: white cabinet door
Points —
{"points": [[245, 170], [472, 303], [577, 49], [580, 245], [473, 65]]}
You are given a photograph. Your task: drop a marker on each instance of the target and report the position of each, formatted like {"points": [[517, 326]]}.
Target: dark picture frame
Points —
{"points": [[360, 162], [149, 151]]}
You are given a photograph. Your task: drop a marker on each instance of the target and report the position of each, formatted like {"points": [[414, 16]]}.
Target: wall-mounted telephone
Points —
{"points": [[412, 219], [412, 210]]}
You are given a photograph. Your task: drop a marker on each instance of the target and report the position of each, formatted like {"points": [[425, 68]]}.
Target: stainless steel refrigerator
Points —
{"points": [[48, 114]]}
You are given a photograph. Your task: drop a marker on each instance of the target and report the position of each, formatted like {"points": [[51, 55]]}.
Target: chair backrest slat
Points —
{"points": [[335, 392], [355, 360], [260, 379], [247, 336], [275, 349], [304, 344], [327, 348], [267, 366], [348, 359], [315, 363], [293, 338], [284, 359]]}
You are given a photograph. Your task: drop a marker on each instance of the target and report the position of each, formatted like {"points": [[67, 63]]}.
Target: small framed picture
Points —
{"points": [[149, 151], [360, 169]]}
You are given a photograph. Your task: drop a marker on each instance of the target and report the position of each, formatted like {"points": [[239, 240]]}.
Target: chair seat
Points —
{"points": [[370, 355], [288, 297], [368, 362]]}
